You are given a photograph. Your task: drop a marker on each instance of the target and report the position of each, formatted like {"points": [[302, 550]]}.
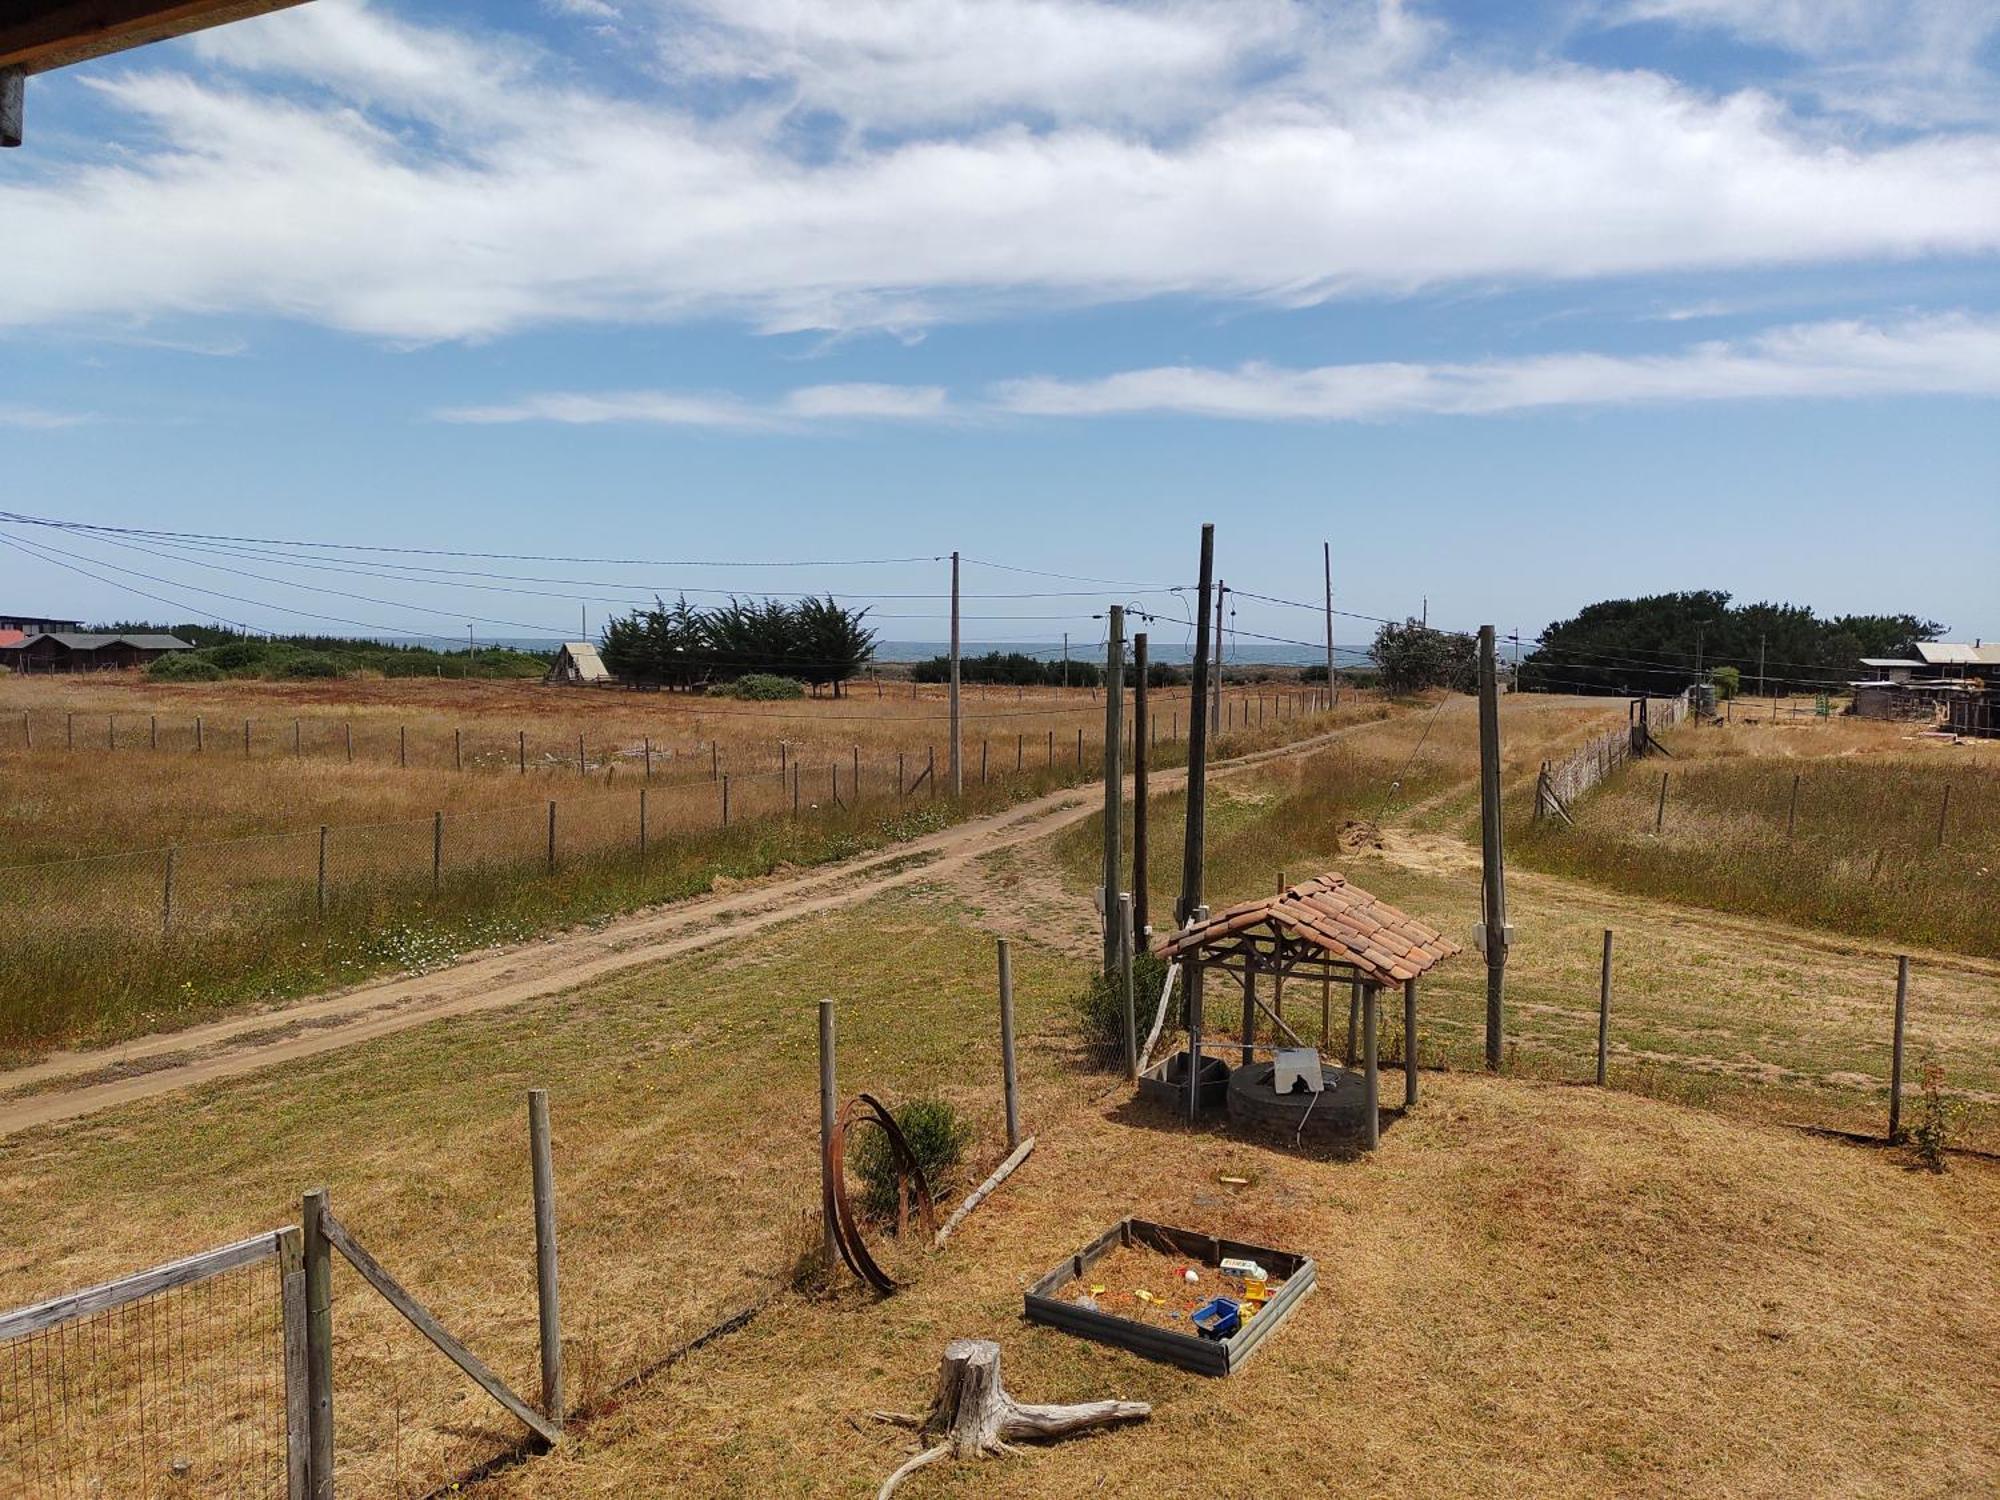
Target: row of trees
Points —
{"points": [[1018, 669], [1663, 642], [816, 641]]}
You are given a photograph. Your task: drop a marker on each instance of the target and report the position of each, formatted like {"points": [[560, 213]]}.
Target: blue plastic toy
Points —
{"points": [[1217, 1318]]}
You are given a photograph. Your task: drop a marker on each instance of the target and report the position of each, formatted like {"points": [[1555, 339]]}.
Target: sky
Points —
{"points": [[1518, 306]]}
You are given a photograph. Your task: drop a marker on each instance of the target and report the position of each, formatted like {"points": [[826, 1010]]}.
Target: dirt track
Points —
{"points": [[69, 1085]]}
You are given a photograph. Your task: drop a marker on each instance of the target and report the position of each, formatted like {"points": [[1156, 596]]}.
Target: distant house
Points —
{"points": [[78, 651], [1890, 668], [37, 624], [578, 662], [1928, 685], [1956, 660]]}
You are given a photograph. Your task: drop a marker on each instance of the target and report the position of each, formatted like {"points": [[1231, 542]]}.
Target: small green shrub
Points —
{"points": [[764, 687], [183, 668], [1930, 1138], [938, 1136], [1100, 1009]]}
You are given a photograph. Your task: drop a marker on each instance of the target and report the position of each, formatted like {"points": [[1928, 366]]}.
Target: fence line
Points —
{"points": [[1561, 782]]}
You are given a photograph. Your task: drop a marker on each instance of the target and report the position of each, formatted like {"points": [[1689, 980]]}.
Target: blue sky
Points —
{"points": [[1520, 306]]}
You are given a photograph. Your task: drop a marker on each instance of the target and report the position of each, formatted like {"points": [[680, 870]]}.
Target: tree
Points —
{"points": [[1728, 682], [815, 641], [1412, 657]]}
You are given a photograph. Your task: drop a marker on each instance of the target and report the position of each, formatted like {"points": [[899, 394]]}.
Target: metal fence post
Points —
{"points": [[318, 1258], [1896, 1051], [1124, 919], [547, 1300], [1010, 1083]]}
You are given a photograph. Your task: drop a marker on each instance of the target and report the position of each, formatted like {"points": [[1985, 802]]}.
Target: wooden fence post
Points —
{"points": [[795, 788], [1009, 1081], [1125, 987], [521, 749], [828, 1102], [714, 761], [1604, 1012], [197, 735], [298, 739], [1020, 748], [649, 757], [1944, 808], [403, 745], [1896, 1051], [899, 773], [318, 1258], [582, 767], [725, 801], [1792, 817], [547, 1300], [437, 849], [320, 887], [1372, 1109], [1409, 1043], [111, 731], [298, 1401], [642, 820], [930, 767], [984, 746], [1660, 813], [458, 749], [69, 729], [552, 835], [349, 727]]}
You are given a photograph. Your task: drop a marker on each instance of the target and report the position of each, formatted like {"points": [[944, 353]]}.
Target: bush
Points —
{"points": [[938, 1137], [181, 667], [1100, 1009], [309, 664], [764, 687]]}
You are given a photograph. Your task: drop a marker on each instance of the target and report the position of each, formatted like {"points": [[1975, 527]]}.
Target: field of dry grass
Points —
{"points": [[1531, 1288], [1895, 834], [217, 899]]}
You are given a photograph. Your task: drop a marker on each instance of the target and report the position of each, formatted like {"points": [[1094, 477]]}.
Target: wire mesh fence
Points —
{"points": [[173, 1391]]}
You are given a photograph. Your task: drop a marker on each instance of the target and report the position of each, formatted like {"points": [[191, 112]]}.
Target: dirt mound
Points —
{"points": [[1359, 833]]}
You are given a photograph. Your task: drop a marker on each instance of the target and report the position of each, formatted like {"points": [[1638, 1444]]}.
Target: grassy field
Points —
{"points": [[136, 941], [1530, 1288], [1894, 836]]}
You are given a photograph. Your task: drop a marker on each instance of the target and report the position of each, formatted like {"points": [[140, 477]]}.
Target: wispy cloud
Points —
{"points": [[1940, 356], [42, 419], [338, 165], [819, 404]]}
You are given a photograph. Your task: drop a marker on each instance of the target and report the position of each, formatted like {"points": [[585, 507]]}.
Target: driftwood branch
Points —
{"points": [[1159, 1016], [972, 1416], [980, 1194]]}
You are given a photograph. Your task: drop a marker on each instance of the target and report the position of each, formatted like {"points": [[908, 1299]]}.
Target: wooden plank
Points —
{"points": [[41, 34], [980, 1194], [420, 1318], [179, 1273]]}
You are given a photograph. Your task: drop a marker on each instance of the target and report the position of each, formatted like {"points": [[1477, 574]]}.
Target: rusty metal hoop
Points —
{"points": [[866, 1109]]}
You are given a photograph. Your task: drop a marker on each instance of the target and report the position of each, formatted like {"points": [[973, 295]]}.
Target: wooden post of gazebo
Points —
{"points": [[1249, 1013]]}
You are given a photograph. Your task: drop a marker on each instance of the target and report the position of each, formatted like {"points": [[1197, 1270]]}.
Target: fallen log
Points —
{"points": [[979, 1194], [972, 1416]]}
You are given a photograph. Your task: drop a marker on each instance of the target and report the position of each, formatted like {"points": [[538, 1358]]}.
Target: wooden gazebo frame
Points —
{"points": [[1325, 928]]}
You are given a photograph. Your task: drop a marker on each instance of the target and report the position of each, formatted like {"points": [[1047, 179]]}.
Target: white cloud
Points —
{"points": [[1954, 355], [1910, 62], [808, 404], [41, 418], [435, 184]]}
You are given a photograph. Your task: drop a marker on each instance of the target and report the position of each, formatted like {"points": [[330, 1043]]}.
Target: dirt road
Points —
{"points": [[70, 1085]]}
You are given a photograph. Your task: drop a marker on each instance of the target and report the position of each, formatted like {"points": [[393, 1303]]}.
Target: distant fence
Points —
{"points": [[1561, 782]]}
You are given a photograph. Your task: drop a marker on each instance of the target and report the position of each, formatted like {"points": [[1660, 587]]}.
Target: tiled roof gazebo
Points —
{"points": [[1326, 928]]}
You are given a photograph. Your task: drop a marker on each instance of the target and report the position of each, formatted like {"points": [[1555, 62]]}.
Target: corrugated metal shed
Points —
{"points": [[1958, 654]]}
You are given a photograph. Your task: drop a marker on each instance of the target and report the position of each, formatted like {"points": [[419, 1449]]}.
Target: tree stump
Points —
{"points": [[972, 1416]]}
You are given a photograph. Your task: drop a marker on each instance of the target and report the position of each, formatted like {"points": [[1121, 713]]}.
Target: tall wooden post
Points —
{"points": [[1372, 1111], [197, 737], [1332, 682], [1493, 888], [1248, 1046], [1349, 1054], [1010, 1083], [1792, 817], [1197, 764], [1660, 812], [319, 1345], [521, 749], [1128, 1002], [1215, 676], [1114, 782], [1896, 1051], [827, 1106], [955, 761], [548, 1303], [1409, 1043], [552, 835], [725, 801], [1141, 917], [458, 749], [437, 849], [1604, 1012]]}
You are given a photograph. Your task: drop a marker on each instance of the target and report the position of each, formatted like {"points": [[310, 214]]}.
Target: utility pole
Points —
{"points": [[1197, 767], [1139, 757], [583, 621], [1065, 658], [1114, 780], [1760, 664], [1697, 652], [957, 757], [1492, 860], [1426, 621], [1332, 682], [1215, 688]]}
